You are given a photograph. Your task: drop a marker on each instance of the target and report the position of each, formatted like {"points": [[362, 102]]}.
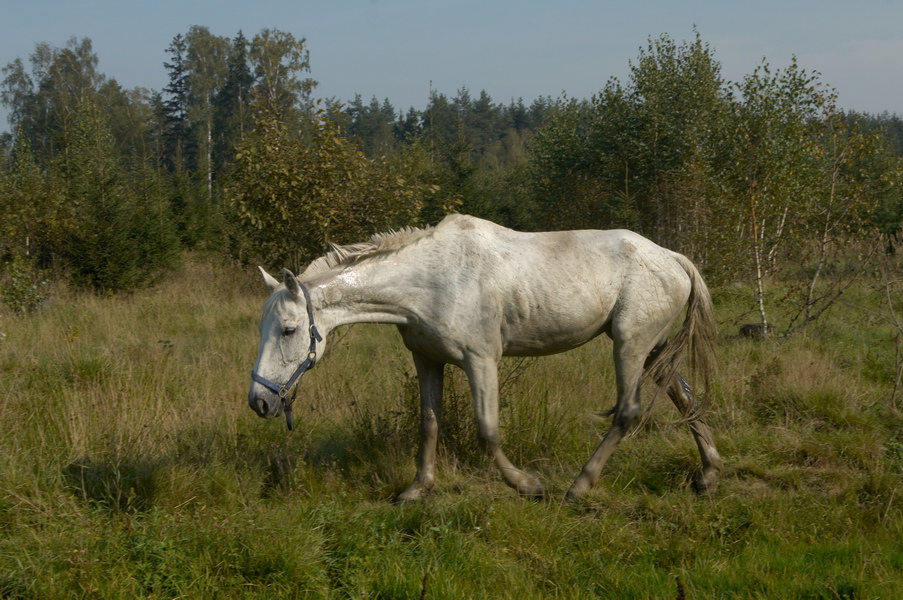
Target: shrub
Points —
{"points": [[24, 291]]}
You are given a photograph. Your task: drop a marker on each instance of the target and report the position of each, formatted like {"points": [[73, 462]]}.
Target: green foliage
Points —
{"points": [[293, 194], [115, 243], [563, 172], [195, 217], [23, 292], [373, 125], [808, 182], [44, 102], [642, 155], [34, 208], [279, 59], [474, 149], [232, 115], [883, 169], [478, 149]]}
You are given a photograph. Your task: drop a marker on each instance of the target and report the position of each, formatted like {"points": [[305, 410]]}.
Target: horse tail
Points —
{"points": [[695, 338]]}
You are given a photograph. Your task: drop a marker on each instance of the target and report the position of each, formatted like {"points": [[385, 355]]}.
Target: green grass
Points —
{"points": [[131, 467]]}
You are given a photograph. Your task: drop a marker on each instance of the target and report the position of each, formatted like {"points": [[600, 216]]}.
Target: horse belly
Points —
{"points": [[551, 328]]}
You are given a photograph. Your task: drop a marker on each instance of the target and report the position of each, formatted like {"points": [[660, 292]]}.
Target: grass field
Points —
{"points": [[131, 466]]}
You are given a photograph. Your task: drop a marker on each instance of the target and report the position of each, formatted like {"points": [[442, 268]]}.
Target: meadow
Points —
{"points": [[132, 467]]}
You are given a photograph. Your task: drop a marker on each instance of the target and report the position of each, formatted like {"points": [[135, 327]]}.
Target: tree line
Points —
{"points": [[235, 155]]}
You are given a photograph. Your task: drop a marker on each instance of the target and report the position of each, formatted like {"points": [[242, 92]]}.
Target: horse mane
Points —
{"points": [[379, 244]]}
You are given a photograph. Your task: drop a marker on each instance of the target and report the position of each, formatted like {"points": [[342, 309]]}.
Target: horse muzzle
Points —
{"points": [[271, 405], [265, 405]]}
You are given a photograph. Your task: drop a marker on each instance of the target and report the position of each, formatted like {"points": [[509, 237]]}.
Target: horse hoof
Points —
{"points": [[576, 490], [534, 491], [706, 483], [412, 494]]}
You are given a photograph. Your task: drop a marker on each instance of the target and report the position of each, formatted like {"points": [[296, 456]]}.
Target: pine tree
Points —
{"points": [[114, 241], [232, 120], [175, 107]]}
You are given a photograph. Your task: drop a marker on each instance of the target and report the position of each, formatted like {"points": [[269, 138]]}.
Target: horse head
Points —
{"points": [[288, 346]]}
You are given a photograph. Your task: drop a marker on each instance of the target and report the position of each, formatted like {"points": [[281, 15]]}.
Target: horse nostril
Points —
{"points": [[259, 405]]}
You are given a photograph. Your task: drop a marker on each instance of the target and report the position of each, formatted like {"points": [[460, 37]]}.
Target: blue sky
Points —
{"points": [[512, 49]]}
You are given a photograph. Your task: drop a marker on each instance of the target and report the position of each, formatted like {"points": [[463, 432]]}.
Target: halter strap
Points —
{"points": [[309, 363]]}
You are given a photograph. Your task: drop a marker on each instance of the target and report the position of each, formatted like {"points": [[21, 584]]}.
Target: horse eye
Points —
{"points": [[289, 330]]}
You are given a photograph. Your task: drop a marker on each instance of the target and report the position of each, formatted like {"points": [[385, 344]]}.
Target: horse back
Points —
{"points": [[541, 293]]}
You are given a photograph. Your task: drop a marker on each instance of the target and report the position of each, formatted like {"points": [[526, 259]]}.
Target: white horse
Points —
{"points": [[468, 292]]}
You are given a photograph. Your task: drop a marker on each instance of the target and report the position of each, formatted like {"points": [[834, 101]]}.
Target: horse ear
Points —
{"points": [[268, 279], [288, 278]]}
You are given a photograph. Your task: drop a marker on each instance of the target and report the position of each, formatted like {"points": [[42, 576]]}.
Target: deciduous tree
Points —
{"points": [[293, 193]]}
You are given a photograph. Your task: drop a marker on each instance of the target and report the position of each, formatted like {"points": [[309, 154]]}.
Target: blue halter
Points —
{"points": [[283, 390]]}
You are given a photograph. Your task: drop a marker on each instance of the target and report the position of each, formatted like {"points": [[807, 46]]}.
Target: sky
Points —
{"points": [[513, 49]]}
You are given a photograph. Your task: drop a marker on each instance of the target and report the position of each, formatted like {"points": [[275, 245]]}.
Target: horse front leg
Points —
{"points": [[483, 377], [682, 395], [430, 377]]}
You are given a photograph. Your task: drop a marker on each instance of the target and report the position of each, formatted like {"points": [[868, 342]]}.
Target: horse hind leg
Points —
{"points": [[682, 395], [483, 377]]}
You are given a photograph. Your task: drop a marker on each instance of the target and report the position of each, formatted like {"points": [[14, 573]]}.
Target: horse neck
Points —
{"points": [[366, 292]]}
